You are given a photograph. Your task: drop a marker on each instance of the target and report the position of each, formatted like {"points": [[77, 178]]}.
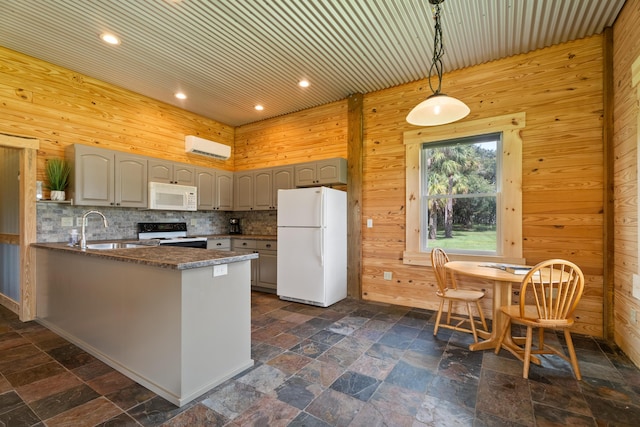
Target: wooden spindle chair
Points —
{"points": [[449, 292], [549, 295]]}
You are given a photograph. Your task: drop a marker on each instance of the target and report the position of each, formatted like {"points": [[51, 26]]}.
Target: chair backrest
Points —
{"points": [[555, 287], [438, 259]]}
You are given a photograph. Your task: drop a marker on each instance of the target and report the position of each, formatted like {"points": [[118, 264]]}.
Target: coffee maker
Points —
{"points": [[234, 226]]}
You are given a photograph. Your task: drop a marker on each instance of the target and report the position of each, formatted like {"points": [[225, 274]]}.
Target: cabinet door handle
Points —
{"points": [[268, 245]]}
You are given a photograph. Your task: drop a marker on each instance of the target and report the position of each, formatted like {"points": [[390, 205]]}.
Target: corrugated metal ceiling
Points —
{"points": [[228, 56]]}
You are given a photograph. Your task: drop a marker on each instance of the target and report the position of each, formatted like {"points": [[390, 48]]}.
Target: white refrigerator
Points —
{"points": [[312, 245]]}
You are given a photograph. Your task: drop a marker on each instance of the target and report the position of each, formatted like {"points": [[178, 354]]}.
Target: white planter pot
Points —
{"points": [[57, 195]]}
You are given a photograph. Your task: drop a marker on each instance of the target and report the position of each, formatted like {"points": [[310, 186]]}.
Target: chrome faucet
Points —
{"points": [[83, 240]]}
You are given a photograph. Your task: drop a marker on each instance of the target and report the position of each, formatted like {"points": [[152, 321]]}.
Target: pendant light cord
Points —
{"points": [[438, 52], [438, 108]]}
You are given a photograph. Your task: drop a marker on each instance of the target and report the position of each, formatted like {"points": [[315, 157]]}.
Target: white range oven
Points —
{"points": [[170, 234]]}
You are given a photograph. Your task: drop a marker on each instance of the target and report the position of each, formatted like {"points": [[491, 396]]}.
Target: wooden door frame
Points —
{"points": [[26, 307]]}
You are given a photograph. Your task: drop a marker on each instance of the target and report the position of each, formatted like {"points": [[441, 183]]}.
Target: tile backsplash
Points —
{"points": [[257, 222], [123, 222]]}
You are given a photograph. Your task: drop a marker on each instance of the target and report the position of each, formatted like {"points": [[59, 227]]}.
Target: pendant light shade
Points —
{"points": [[437, 109]]}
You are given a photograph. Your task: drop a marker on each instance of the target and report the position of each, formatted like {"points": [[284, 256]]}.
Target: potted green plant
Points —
{"points": [[57, 171]]}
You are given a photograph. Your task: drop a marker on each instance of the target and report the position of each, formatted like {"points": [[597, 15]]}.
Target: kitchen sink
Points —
{"points": [[116, 245]]}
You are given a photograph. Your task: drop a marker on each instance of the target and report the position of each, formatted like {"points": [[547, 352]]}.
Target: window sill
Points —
{"points": [[424, 258]]}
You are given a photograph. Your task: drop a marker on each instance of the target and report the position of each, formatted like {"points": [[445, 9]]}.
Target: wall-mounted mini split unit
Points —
{"points": [[203, 147]]}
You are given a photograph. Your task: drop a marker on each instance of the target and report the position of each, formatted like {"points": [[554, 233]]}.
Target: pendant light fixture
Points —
{"points": [[438, 108]]}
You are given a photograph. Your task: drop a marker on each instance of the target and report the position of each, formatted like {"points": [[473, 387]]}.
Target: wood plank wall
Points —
{"points": [[560, 90], [312, 134], [626, 50], [62, 107]]}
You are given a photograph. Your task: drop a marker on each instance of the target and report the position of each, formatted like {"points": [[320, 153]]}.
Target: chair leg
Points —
{"points": [[435, 329], [572, 354], [484, 322], [449, 310], [472, 322], [527, 352]]}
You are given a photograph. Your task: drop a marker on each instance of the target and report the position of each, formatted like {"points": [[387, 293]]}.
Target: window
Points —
{"points": [[459, 209], [506, 192]]}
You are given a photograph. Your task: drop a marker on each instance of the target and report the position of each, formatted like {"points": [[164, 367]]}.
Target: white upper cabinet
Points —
{"points": [[321, 172], [171, 172], [101, 177], [215, 189]]}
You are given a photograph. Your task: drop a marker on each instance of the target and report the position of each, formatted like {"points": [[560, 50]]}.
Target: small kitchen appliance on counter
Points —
{"points": [[170, 234], [234, 226]]}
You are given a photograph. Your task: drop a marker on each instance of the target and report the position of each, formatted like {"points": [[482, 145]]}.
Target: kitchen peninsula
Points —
{"points": [[176, 320]]}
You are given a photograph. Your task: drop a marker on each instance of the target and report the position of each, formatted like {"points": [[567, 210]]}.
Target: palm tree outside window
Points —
{"points": [[460, 194]]}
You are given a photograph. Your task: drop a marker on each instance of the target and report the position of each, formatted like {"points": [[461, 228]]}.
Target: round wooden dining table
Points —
{"points": [[502, 287]]}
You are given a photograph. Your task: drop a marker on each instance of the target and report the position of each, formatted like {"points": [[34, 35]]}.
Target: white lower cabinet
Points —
{"points": [[267, 271], [263, 269], [219, 244]]}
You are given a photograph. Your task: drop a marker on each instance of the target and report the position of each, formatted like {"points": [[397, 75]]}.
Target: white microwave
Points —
{"points": [[172, 197]]}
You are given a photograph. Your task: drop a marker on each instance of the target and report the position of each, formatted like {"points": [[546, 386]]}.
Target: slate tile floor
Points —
{"points": [[353, 364]]}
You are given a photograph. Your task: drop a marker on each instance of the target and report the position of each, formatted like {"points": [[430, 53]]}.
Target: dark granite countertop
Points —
{"points": [[174, 257]]}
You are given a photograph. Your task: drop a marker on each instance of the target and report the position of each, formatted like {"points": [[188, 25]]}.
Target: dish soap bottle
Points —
{"points": [[73, 237]]}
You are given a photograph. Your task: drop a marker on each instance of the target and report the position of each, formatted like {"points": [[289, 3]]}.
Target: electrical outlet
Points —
{"points": [[369, 223], [387, 275], [635, 291], [633, 317], [220, 270], [67, 221], [79, 221], [194, 221]]}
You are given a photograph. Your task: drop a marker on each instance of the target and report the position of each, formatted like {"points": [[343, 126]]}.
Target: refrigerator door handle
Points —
{"points": [[323, 206], [322, 246]]}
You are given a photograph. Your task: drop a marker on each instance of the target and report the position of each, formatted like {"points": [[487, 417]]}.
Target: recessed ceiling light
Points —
{"points": [[259, 107], [304, 83], [181, 95], [110, 38]]}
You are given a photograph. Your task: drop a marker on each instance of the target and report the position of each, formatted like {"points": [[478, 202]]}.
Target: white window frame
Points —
{"points": [[510, 197]]}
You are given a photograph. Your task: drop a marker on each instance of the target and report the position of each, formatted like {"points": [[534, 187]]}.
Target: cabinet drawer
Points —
{"points": [[242, 244], [267, 245], [219, 244]]}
